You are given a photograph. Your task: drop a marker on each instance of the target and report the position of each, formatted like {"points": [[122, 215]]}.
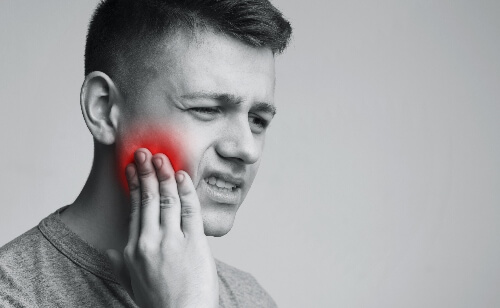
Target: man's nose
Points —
{"points": [[238, 142]]}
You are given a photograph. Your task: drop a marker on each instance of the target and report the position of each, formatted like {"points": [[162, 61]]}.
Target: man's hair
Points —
{"points": [[122, 33]]}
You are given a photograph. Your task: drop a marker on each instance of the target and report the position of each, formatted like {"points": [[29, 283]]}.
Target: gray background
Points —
{"points": [[380, 181]]}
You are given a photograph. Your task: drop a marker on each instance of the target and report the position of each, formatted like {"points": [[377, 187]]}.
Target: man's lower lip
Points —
{"points": [[222, 196]]}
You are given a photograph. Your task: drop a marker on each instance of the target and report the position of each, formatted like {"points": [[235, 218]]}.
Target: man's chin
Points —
{"points": [[217, 223], [216, 232]]}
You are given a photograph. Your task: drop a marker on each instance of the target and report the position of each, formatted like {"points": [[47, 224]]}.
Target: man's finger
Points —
{"points": [[150, 197], [192, 222], [170, 207], [135, 203]]}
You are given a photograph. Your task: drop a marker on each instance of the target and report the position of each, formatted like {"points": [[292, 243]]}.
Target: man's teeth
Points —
{"points": [[220, 183]]}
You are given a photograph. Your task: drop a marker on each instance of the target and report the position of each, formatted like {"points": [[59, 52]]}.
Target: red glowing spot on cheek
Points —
{"points": [[156, 140]]}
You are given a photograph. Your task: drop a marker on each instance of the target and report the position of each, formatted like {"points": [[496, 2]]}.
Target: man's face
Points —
{"points": [[208, 104]]}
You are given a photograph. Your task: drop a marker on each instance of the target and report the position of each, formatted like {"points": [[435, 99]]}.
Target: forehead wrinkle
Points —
{"points": [[231, 99]]}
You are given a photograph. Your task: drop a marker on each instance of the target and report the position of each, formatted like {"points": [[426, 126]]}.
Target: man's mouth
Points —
{"points": [[220, 184], [222, 188]]}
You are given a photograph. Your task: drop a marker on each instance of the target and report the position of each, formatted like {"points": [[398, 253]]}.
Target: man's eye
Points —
{"points": [[258, 124], [205, 110], [205, 113]]}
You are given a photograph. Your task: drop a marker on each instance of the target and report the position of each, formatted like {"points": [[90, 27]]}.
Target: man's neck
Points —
{"points": [[100, 213]]}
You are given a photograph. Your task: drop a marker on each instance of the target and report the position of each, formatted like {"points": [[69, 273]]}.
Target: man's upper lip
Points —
{"points": [[227, 177]]}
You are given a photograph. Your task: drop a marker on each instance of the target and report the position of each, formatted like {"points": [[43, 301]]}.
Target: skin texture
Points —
{"points": [[212, 97]]}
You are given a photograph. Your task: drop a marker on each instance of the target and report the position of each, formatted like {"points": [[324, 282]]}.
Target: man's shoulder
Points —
{"points": [[20, 256], [242, 287], [45, 264], [18, 262], [16, 251]]}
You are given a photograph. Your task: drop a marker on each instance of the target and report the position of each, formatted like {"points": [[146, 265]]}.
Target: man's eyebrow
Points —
{"points": [[223, 97], [264, 107], [233, 99]]}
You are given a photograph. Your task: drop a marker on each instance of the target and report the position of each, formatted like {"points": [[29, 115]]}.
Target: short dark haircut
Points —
{"points": [[121, 32]]}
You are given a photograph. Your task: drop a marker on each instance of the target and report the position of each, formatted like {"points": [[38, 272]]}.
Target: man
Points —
{"points": [[178, 96]]}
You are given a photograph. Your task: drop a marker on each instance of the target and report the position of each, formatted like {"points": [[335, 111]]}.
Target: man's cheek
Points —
{"points": [[170, 142]]}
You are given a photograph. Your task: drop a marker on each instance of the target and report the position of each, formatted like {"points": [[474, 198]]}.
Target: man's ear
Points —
{"points": [[100, 100]]}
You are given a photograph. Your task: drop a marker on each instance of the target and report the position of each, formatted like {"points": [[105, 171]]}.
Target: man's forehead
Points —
{"points": [[219, 62], [207, 65]]}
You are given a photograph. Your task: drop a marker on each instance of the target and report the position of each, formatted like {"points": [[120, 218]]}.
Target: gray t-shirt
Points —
{"points": [[51, 266]]}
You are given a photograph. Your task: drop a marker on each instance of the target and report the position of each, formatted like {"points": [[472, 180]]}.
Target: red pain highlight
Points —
{"points": [[156, 140]]}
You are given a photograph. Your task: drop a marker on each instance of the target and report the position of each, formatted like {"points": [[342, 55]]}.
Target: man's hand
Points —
{"points": [[167, 255]]}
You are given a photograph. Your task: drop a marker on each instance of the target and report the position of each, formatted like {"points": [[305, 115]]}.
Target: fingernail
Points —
{"points": [[158, 162], [179, 177], [130, 171], [140, 157]]}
